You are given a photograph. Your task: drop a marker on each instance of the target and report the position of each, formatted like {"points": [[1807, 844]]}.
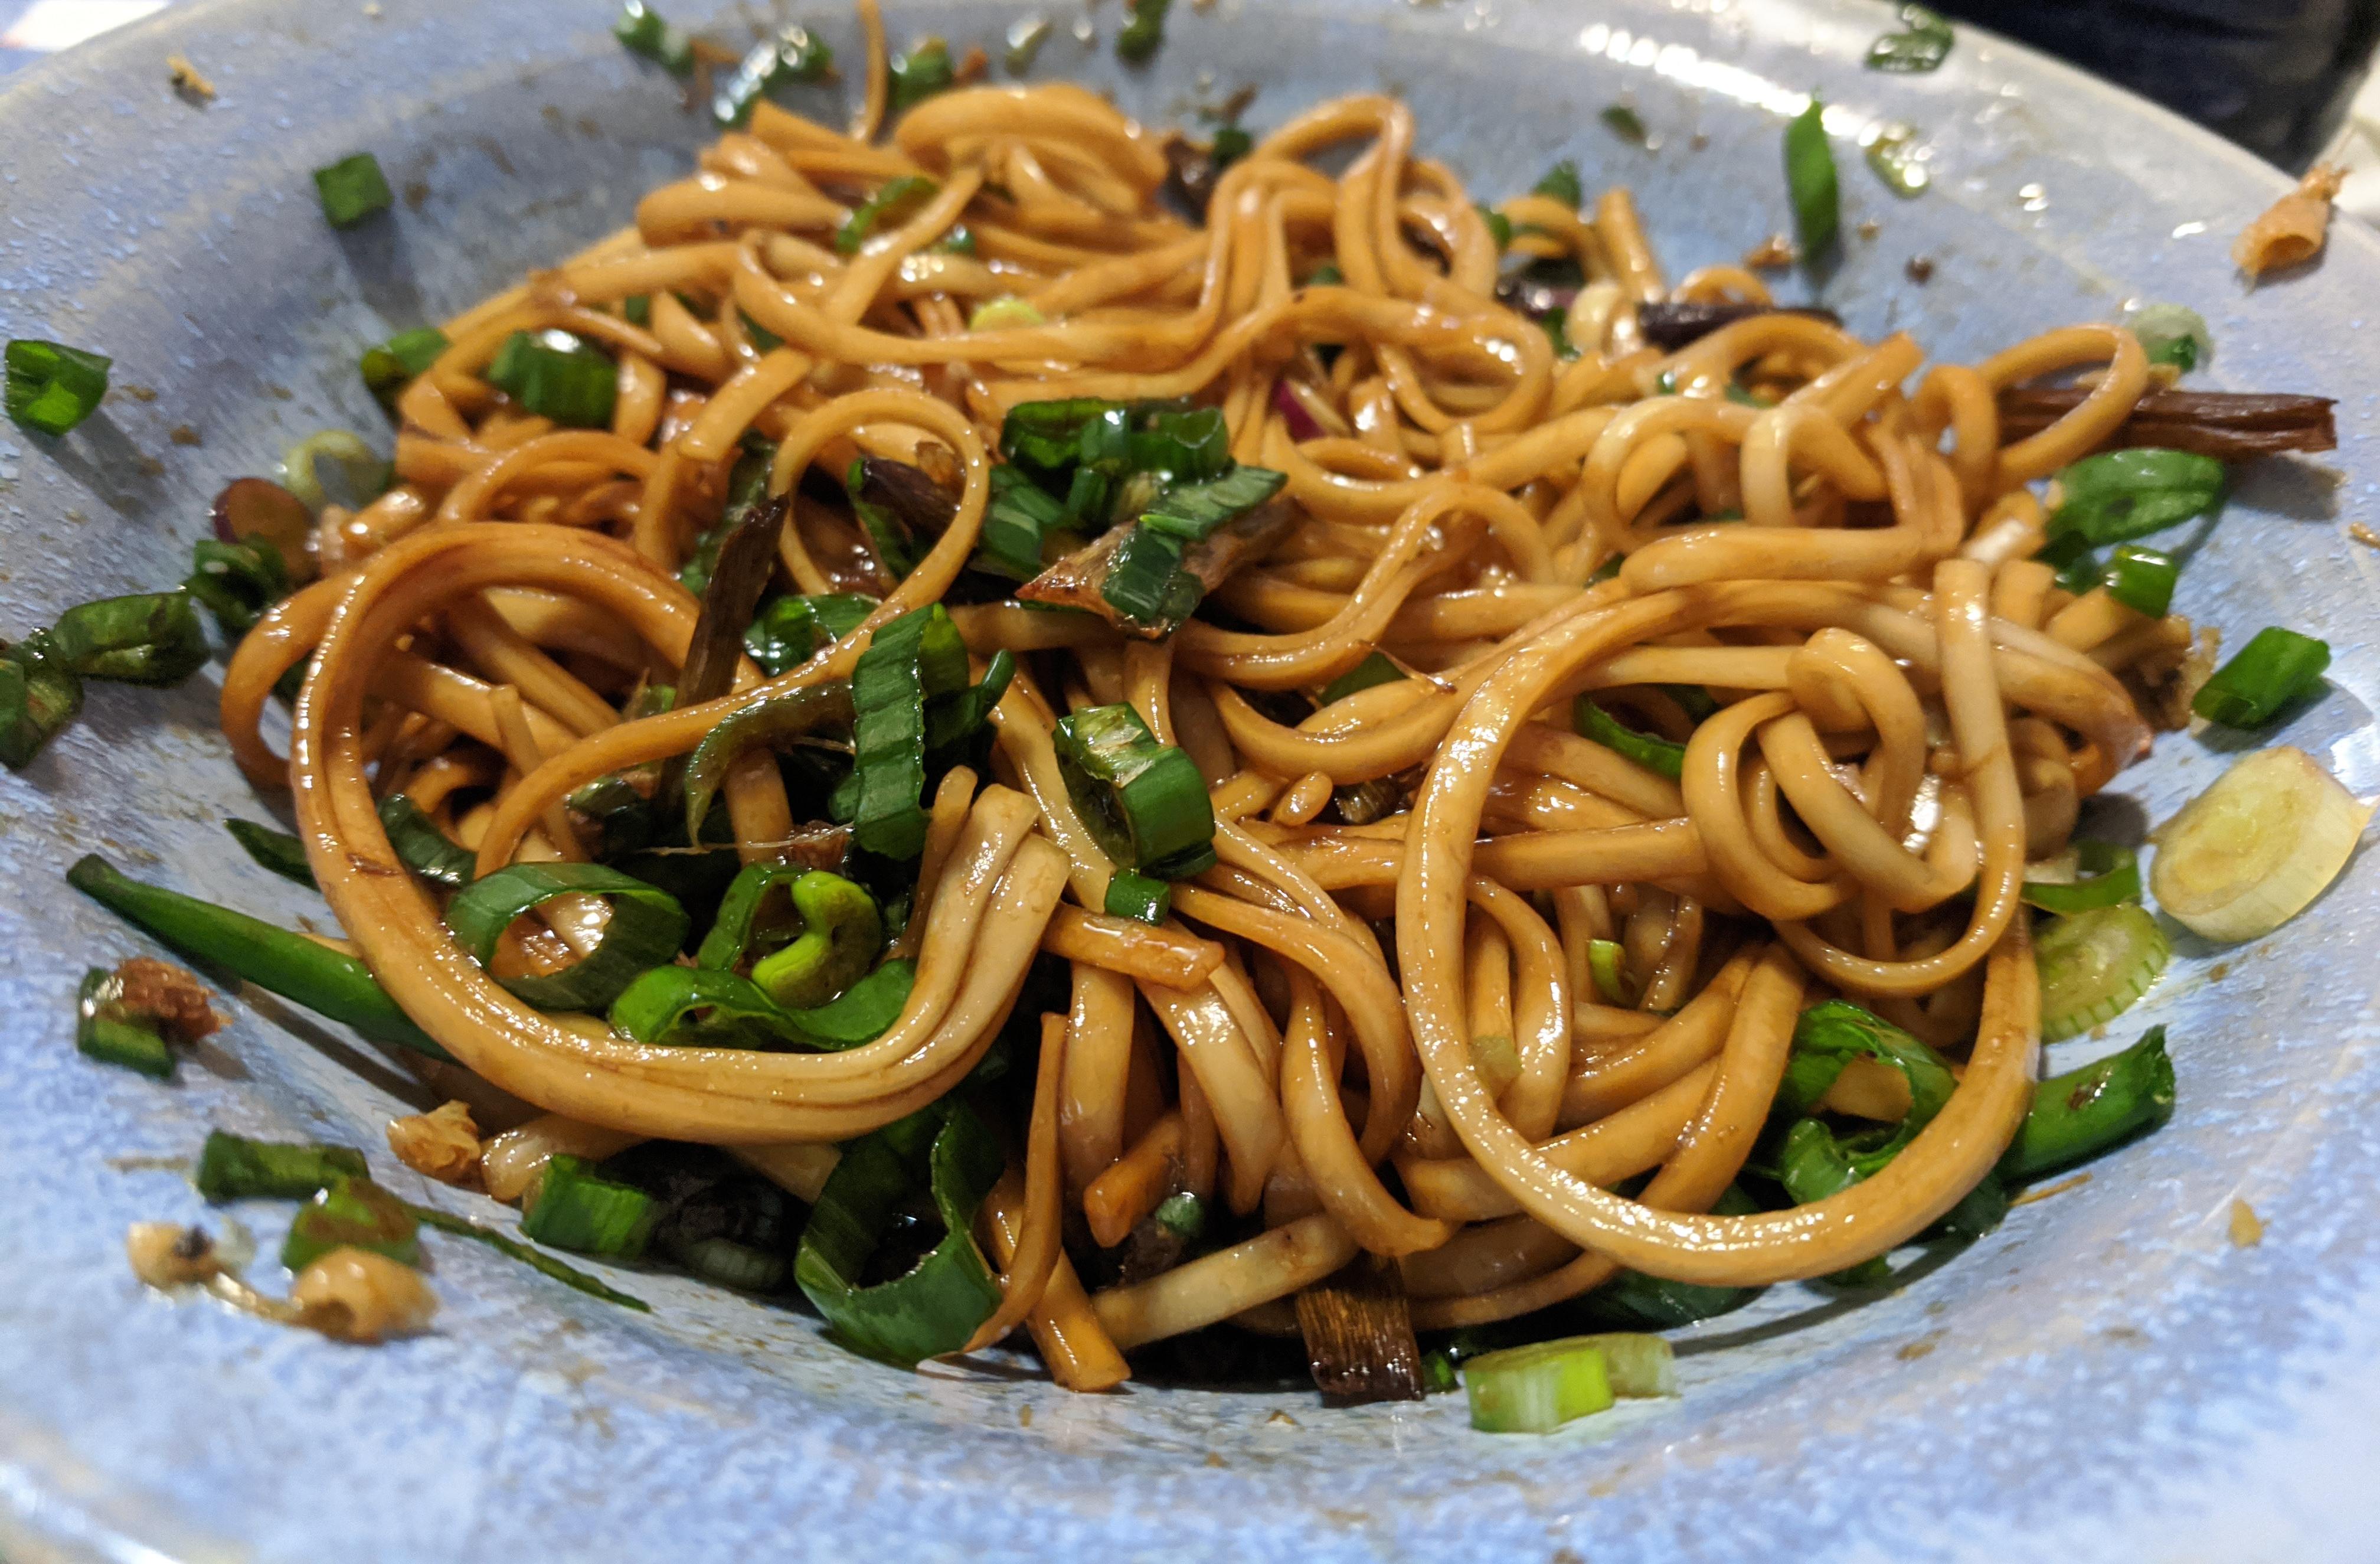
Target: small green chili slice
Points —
{"points": [[646, 929]]}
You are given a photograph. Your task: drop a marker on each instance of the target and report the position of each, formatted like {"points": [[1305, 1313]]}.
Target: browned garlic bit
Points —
{"points": [[167, 995], [443, 1144], [168, 1254], [355, 1295]]}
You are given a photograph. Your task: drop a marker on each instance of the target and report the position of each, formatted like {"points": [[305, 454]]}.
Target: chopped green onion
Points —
{"points": [[645, 928], [894, 202], [236, 581], [422, 847], [1133, 895], [937, 1306], [696, 1008], [352, 1212], [2103, 876], [390, 367], [1144, 33], [545, 1265], [1375, 670], [908, 662], [1499, 227], [1145, 582], [2172, 334], [1640, 1366], [1810, 181], [235, 1167], [1026, 36], [2141, 579], [1561, 182], [1922, 45], [363, 473], [1182, 1214], [1019, 515], [954, 722], [51, 387], [1654, 754], [326, 981], [1438, 1375], [641, 30], [863, 1012], [555, 375], [276, 851], [1603, 963], [1895, 158], [1624, 123], [106, 1032], [1144, 801], [1230, 145], [352, 190], [2078, 1115], [37, 699], [789, 630], [1003, 313], [894, 549], [763, 339], [1196, 511], [791, 55], [1817, 1162], [2093, 964], [1537, 1389], [638, 310], [575, 1208], [2119, 495], [148, 638], [770, 717], [919, 74], [960, 240], [839, 933], [2276, 668]]}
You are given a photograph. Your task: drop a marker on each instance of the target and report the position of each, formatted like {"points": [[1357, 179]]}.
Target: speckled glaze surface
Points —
{"points": [[2109, 1376]]}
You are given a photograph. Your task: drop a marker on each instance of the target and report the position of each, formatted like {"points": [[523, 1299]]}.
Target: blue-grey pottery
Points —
{"points": [[2110, 1375]]}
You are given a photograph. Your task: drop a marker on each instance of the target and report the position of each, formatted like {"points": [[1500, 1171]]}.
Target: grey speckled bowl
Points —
{"points": [[2109, 1376]]}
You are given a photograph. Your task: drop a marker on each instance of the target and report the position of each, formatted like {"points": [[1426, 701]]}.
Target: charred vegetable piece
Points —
{"points": [[1681, 323]]}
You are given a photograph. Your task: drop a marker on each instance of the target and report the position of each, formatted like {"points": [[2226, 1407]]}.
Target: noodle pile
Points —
{"points": [[1401, 1048]]}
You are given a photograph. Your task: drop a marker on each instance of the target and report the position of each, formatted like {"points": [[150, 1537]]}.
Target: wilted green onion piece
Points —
{"points": [[645, 930], [793, 54], [1537, 1389], [841, 932], [1810, 181], [1145, 582], [641, 30], [1624, 123], [1020, 515], [2172, 334], [1134, 895], [1816, 1161], [1195, 511], [1144, 33], [1375, 670], [938, 1304], [1144, 801], [894, 202], [37, 699], [1499, 227], [51, 386], [1892, 157], [575, 1208], [1603, 963], [352, 190], [545, 1265], [323, 980], [237, 582], [235, 1167], [1561, 182], [919, 74], [2105, 875], [908, 662], [422, 847], [2142, 580], [789, 629], [2077, 1116], [390, 367], [1652, 753], [147, 638], [768, 719], [895, 548], [696, 1008], [865, 1012], [106, 1032], [555, 375], [1922, 44], [2118, 495], [2275, 669], [276, 851], [352, 1212]]}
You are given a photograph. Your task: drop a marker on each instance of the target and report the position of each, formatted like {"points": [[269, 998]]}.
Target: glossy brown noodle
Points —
{"points": [[1407, 992]]}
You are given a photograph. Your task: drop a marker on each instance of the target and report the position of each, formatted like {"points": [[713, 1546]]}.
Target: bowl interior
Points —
{"points": [[2103, 1364]]}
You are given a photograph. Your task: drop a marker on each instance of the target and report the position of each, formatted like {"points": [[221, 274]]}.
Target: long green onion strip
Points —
{"points": [[908, 662], [936, 1306], [235, 1167], [2093, 964], [106, 1032], [1654, 754], [2090, 1111], [422, 847], [545, 1265], [645, 928], [575, 1207], [797, 714], [2277, 668], [1145, 803], [326, 981], [276, 851], [1811, 183], [51, 387], [352, 1212], [2090, 874], [790, 629]]}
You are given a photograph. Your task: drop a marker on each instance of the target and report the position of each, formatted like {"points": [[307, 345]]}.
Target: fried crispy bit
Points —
{"points": [[356, 1295], [168, 995], [2293, 228], [443, 1144]]}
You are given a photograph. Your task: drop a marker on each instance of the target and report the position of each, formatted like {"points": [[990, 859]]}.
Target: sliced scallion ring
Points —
{"points": [[2094, 964], [646, 929], [1537, 1389]]}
